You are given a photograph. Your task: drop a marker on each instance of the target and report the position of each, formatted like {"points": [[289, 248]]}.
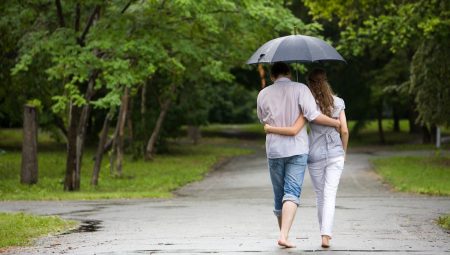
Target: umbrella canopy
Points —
{"points": [[295, 48]]}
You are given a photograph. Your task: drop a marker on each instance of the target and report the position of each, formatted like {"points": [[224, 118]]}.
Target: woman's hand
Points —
{"points": [[267, 128]]}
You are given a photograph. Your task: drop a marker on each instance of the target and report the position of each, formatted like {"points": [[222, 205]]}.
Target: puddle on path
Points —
{"points": [[86, 226]]}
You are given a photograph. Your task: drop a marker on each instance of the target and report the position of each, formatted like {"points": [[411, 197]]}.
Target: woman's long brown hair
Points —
{"points": [[321, 90]]}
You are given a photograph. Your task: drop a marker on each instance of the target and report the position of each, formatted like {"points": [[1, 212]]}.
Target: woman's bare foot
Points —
{"points": [[285, 243], [326, 241]]}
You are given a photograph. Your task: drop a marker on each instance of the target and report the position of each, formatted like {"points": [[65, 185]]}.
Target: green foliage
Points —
{"points": [[36, 103], [17, 229], [418, 28], [367, 23], [232, 103], [171, 43], [430, 75], [426, 175]]}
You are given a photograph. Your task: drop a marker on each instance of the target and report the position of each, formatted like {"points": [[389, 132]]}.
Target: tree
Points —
{"points": [[83, 59], [400, 26], [29, 173], [430, 75]]}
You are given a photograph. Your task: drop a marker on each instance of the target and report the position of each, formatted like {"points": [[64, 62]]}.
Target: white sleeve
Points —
{"points": [[308, 104]]}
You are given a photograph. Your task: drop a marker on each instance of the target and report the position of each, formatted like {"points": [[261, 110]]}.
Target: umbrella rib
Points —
{"points": [[277, 46], [318, 46]]}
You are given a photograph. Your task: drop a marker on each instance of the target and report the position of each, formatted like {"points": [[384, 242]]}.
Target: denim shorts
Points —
{"points": [[287, 176]]}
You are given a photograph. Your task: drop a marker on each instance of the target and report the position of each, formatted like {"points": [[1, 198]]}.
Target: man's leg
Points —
{"points": [[293, 181], [288, 214], [276, 169]]}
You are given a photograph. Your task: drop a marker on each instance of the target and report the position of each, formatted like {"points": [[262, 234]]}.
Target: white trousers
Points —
{"points": [[325, 177]]}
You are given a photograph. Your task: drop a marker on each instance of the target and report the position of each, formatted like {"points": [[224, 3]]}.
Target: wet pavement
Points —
{"points": [[230, 212]]}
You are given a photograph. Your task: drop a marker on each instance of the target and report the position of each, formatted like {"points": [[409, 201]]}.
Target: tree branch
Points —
{"points": [[77, 17], [88, 25], [60, 13], [126, 6]]}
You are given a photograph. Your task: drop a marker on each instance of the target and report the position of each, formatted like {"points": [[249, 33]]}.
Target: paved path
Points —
{"points": [[230, 212]]}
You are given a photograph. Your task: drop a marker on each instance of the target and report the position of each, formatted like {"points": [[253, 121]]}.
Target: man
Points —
{"points": [[280, 105]]}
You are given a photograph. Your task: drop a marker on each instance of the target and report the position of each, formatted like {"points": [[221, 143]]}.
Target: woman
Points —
{"points": [[326, 150]]}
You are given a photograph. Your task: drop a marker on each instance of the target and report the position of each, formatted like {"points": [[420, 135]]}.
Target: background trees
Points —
{"points": [[134, 64], [122, 76], [393, 34]]}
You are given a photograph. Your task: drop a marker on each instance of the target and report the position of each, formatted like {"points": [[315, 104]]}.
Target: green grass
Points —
{"points": [[19, 228], [425, 175], [12, 138], [255, 128], [141, 179], [444, 221]]}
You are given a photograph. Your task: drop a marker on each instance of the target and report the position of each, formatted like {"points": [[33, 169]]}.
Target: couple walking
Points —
{"points": [[283, 108]]}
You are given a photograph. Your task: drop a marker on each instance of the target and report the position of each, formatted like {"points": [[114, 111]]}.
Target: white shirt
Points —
{"points": [[325, 142], [280, 105]]}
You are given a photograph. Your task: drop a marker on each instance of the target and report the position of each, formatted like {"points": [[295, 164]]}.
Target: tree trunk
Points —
{"points": [[81, 134], [194, 133], [262, 75], [99, 153], [129, 121], [143, 99], [438, 137], [80, 144], [76, 136], [155, 134], [121, 134], [112, 158], [74, 116], [117, 140], [29, 171], [426, 135], [414, 128], [433, 132], [396, 119], [143, 121], [380, 123]]}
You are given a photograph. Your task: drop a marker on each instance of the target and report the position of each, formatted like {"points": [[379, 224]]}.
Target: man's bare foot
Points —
{"points": [[285, 243], [326, 241]]}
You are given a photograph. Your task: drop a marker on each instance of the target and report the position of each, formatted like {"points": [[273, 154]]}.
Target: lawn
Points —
{"points": [[19, 229], [425, 175], [255, 128], [11, 138], [183, 164], [444, 221]]}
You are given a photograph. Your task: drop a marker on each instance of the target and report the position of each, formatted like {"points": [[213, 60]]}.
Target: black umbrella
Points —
{"points": [[295, 48]]}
